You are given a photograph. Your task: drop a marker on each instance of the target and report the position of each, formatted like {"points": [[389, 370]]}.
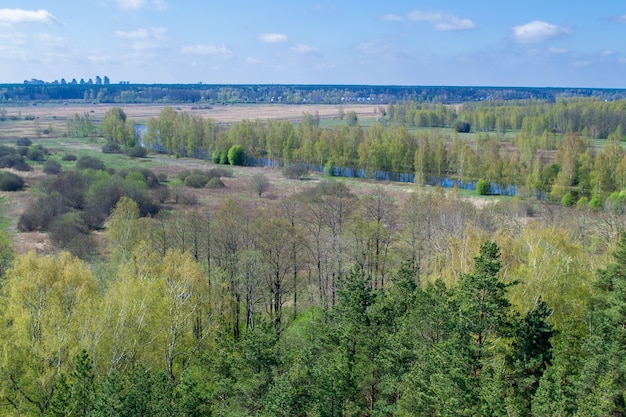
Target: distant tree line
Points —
{"points": [[288, 93]]}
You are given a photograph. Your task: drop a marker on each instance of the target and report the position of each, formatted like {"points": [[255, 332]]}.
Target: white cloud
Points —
{"points": [[140, 4], [537, 31], [145, 38], [607, 52], [99, 59], [17, 16], [300, 48], [582, 63], [49, 41], [205, 50], [621, 18], [130, 4], [252, 61], [622, 60], [441, 21], [273, 37]]}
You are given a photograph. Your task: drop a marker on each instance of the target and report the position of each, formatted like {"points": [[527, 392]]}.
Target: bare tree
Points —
{"points": [[260, 183]]}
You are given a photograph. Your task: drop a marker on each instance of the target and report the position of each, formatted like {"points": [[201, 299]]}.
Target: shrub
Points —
{"points": [[462, 126], [7, 150], [595, 202], [196, 180], [15, 161], [295, 171], [137, 151], [151, 179], [22, 166], [216, 156], [86, 162], [582, 202], [69, 157], [161, 193], [224, 158], [111, 147], [22, 150], [162, 177], [215, 183], [40, 214], [235, 155], [11, 182], [35, 154], [24, 142], [52, 167], [219, 173], [482, 187], [182, 175], [567, 200]]}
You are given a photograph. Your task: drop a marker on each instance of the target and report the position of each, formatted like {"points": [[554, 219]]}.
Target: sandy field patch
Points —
{"points": [[218, 112]]}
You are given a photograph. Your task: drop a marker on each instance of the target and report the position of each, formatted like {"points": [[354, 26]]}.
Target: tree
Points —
{"points": [[235, 155], [47, 300], [116, 128], [260, 183]]}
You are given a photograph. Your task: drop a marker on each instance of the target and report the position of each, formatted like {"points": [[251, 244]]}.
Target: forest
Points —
{"points": [[42, 93], [343, 297]]}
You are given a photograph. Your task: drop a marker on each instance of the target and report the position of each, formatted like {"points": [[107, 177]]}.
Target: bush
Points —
{"points": [[567, 200], [582, 202], [69, 157], [235, 155], [595, 203], [219, 173], [161, 193], [86, 162], [35, 154], [40, 214], [11, 182], [215, 183], [462, 126], [196, 180], [162, 177], [10, 160], [182, 175], [295, 171], [482, 187], [137, 151], [151, 179], [111, 147], [24, 142], [52, 167], [224, 158], [216, 156]]}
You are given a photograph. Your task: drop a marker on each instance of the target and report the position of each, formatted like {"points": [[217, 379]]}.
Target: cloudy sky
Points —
{"points": [[542, 43]]}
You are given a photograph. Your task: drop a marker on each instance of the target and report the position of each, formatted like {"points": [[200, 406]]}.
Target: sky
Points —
{"points": [[528, 43]]}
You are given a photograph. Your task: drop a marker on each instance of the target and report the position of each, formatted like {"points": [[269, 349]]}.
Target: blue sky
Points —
{"points": [[496, 43]]}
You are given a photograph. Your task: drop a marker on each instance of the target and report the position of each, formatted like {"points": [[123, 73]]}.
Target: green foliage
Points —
{"points": [[52, 167], [462, 126], [595, 203], [214, 183], [482, 187], [197, 180], [111, 147], [137, 151], [11, 182], [567, 200], [235, 155], [116, 128], [89, 162]]}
